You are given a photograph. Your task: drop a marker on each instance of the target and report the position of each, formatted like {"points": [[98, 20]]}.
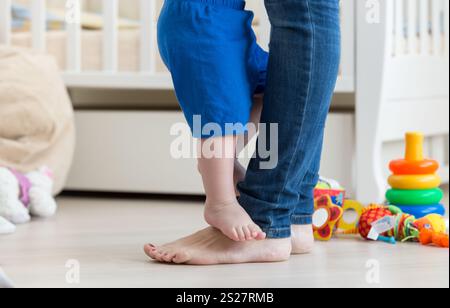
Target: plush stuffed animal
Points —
{"points": [[26, 195], [429, 230], [5, 283], [432, 231], [6, 227]]}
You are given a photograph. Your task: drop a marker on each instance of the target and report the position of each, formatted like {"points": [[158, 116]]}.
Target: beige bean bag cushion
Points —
{"points": [[36, 115]]}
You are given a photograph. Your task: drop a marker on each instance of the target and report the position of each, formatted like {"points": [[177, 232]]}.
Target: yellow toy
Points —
{"points": [[325, 218], [415, 184], [350, 205]]}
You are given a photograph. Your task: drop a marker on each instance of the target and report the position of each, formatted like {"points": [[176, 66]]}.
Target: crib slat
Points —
{"points": [[264, 35], [399, 28], [38, 24], [424, 27], [436, 24], [148, 52], [412, 26], [73, 21], [5, 22], [110, 35], [346, 81]]}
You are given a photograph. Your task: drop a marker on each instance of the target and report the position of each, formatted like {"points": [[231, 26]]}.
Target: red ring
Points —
{"points": [[405, 167]]}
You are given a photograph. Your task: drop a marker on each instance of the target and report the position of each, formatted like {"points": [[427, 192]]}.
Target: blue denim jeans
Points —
{"points": [[302, 73]]}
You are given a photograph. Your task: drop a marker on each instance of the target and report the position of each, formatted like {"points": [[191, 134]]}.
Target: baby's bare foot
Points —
{"points": [[210, 247], [302, 239], [233, 221]]}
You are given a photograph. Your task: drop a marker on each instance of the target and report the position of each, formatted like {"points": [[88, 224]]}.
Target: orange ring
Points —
{"points": [[405, 167], [414, 182]]}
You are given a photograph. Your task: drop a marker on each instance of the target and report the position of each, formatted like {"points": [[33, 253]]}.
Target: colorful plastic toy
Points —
{"points": [[423, 210], [332, 188], [404, 167], [350, 205], [415, 197], [414, 181], [414, 161], [405, 227], [325, 218]]}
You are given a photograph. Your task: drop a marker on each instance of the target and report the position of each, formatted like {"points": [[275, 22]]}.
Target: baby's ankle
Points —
{"points": [[218, 204]]}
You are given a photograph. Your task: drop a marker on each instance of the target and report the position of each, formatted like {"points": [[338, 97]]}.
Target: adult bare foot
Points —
{"points": [[210, 247], [302, 239]]}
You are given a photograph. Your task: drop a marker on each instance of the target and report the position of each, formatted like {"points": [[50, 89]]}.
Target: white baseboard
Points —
{"points": [[129, 151]]}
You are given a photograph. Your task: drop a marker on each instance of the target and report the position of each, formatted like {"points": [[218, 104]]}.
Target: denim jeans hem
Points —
{"points": [[278, 233], [270, 220], [301, 220]]}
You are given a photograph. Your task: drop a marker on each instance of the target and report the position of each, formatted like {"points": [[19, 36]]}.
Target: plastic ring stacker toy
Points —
{"points": [[414, 181], [405, 167], [414, 197], [350, 205], [420, 211]]}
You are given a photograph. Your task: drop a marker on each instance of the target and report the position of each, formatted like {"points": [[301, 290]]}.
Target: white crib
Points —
{"points": [[394, 66]]}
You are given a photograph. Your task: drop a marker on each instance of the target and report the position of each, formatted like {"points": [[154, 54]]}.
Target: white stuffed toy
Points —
{"points": [[5, 283], [6, 227], [25, 195]]}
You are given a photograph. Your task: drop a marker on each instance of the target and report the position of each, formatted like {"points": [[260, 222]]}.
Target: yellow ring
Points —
{"points": [[414, 182], [351, 205]]}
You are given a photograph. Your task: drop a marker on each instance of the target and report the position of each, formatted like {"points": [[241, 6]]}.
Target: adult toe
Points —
{"points": [[181, 257]]}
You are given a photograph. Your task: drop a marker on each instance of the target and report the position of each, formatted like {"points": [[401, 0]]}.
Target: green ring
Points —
{"points": [[415, 197]]}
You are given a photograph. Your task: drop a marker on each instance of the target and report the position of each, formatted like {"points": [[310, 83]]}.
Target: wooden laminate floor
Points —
{"points": [[103, 238]]}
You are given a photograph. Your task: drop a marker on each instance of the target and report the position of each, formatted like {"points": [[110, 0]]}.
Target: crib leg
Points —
{"points": [[372, 48], [370, 186]]}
